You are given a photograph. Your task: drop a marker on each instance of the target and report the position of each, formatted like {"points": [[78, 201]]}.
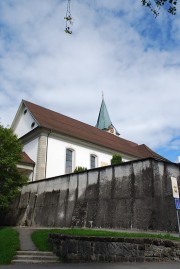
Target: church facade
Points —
{"points": [[54, 144]]}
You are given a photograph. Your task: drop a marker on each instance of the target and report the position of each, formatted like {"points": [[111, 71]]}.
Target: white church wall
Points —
{"points": [[55, 158], [31, 149], [25, 123], [57, 154]]}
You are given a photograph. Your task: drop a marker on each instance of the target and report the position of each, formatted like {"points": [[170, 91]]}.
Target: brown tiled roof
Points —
{"points": [[74, 128], [147, 152], [27, 159]]}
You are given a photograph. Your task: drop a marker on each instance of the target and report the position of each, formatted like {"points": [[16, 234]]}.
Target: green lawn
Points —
{"points": [[9, 244], [40, 238]]}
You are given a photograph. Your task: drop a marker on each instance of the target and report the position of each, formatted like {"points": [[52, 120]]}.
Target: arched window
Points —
{"points": [[69, 161], [93, 161]]}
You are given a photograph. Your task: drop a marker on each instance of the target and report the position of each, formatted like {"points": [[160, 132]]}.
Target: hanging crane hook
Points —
{"points": [[68, 18], [68, 30]]}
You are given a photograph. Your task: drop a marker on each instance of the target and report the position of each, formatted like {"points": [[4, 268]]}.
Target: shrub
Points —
{"points": [[116, 159], [79, 169]]}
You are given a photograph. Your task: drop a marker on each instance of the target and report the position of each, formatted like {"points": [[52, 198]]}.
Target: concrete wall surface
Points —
{"points": [[136, 195], [113, 249]]}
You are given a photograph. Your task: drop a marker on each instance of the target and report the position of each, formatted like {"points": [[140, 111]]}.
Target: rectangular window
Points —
{"points": [[69, 158], [93, 161]]}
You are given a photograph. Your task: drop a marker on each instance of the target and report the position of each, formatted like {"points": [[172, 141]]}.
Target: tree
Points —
{"points": [[10, 155], [155, 5], [116, 159]]}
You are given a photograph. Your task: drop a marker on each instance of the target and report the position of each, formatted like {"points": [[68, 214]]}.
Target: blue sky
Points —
{"points": [[117, 47]]}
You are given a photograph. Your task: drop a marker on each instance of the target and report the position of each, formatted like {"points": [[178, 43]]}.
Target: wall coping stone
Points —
{"points": [[105, 167], [133, 240]]}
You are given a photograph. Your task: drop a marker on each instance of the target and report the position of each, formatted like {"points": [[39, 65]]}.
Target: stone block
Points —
{"points": [[72, 246], [150, 259], [115, 248], [168, 243], [166, 252], [157, 253], [140, 259], [148, 253], [176, 259], [93, 258], [117, 258], [72, 257], [85, 247], [100, 248], [141, 247], [129, 251], [178, 252], [125, 259], [132, 259]]}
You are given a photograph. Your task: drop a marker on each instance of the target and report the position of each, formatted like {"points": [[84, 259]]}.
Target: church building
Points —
{"points": [[54, 144]]}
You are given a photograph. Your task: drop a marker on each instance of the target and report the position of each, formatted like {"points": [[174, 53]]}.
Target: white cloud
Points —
{"points": [[116, 47], [175, 145]]}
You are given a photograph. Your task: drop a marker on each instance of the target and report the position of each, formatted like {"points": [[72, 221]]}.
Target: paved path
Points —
{"points": [[25, 238]]}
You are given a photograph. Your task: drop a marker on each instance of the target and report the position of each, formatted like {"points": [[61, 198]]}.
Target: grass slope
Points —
{"points": [[9, 244], [40, 238]]}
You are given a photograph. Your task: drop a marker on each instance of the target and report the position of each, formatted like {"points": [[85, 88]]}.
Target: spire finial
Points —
{"points": [[102, 95]]}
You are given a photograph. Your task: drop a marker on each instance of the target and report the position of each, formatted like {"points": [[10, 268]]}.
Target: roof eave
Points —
{"points": [[39, 129]]}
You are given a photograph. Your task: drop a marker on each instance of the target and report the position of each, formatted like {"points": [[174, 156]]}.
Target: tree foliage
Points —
{"points": [[10, 178], [155, 5], [116, 159]]}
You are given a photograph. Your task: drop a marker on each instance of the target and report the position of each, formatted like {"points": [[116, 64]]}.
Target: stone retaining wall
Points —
{"points": [[113, 249], [132, 195]]}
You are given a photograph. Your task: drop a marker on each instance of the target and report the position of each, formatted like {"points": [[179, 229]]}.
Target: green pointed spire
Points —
{"points": [[104, 122]]}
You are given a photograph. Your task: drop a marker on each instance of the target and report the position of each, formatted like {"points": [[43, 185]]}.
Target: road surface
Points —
{"points": [[175, 265]]}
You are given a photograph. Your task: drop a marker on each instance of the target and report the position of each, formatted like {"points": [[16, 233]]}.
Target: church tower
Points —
{"points": [[104, 122]]}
